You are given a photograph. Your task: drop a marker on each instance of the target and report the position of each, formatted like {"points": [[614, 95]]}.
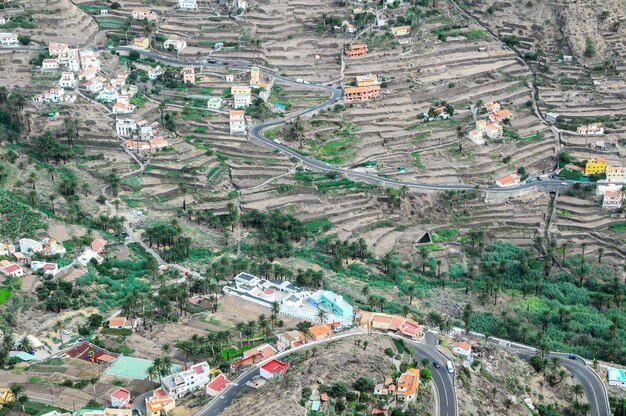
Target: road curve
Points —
{"points": [[444, 385], [336, 93]]}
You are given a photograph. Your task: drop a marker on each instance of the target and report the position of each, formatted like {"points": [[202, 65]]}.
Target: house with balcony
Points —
{"points": [[59, 50], [67, 80], [408, 385], [9, 40], [48, 269], [595, 166], [141, 43], [144, 14], [237, 122], [188, 4], [615, 174], [612, 199], [120, 398], [493, 130], [356, 50], [189, 75], [49, 64], [361, 93], [108, 94], [187, 381], [159, 403]]}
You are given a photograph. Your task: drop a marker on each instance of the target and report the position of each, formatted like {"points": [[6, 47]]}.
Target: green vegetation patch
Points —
{"points": [[5, 294], [18, 220]]}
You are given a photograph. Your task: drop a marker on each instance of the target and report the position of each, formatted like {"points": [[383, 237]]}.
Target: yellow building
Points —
{"points": [[240, 90], [255, 76], [595, 166], [143, 43], [401, 30]]}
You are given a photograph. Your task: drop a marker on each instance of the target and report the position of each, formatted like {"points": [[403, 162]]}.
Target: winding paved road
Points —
{"points": [[444, 384], [336, 93]]}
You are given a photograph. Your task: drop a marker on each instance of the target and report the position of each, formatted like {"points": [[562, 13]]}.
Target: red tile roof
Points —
{"points": [[275, 366], [12, 268], [218, 383], [121, 394]]}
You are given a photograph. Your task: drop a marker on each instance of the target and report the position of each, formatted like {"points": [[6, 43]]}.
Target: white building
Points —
{"points": [[108, 94], [188, 4], [87, 255], [28, 245], [11, 270], [94, 86], [242, 4], [120, 398], [464, 349], [67, 80], [2, 20], [616, 377], [49, 269], [48, 64], [242, 100], [176, 44], [9, 40], [125, 127], [154, 73], [493, 130], [237, 122], [612, 200], [476, 136], [179, 384]]}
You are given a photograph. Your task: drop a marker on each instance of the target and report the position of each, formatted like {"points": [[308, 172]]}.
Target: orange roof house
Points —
{"points": [[408, 384], [361, 93], [356, 50], [394, 323], [509, 180], [254, 355], [98, 245], [320, 332], [500, 115], [159, 402]]}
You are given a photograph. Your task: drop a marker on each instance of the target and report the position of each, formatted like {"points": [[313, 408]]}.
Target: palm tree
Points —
{"points": [[240, 326], [365, 290], [405, 310], [411, 292], [275, 307], [322, 315], [93, 381], [577, 391], [600, 253], [166, 348], [32, 178], [467, 316], [25, 345], [51, 198], [113, 181], [152, 373], [295, 131], [58, 326], [183, 188]]}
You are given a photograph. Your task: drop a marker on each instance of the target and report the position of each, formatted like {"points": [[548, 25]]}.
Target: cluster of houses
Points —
{"points": [[140, 134], [46, 247], [242, 99], [593, 129], [294, 301], [492, 128], [367, 88], [85, 63], [610, 189], [116, 92], [242, 5]]}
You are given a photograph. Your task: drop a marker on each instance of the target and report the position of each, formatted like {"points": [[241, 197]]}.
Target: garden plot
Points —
{"points": [[62, 21]]}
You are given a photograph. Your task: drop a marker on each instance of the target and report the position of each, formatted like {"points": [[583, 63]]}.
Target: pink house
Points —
{"points": [[98, 245]]}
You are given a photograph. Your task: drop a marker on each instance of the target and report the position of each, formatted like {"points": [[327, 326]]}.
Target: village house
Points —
{"points": [[49, 269], [346, 26], [6, 248], [87, 256], [214, 103], [189, 75], [612, 200], [108, 94], [124, 127], [394, 323], [94, 86], [217, 385], [28, 245], [361, 93], [87, 74], [11, 269], [67, 80], [9, 40], [159, 403], [242, 5], [179, 384], [476, 136], [493, 130], [509, 180], [58, 50], [408, 385], [288, 340], [122, 322], [591, 129], [492, 107], [157, 143], [48, 64], [188, 4], [154, 73], [141, 43], [464, 349], [145, 130], [385, 388], [273, 368], [19, 257], [500, 116], [123, 105], [89, 59], [615, 174], [400, 30], [356, 50], [254, 355], [237, 122], [98, 245], [552, 117], [320, 332], [229, 78], [2, 20], [144, 14], [255, 76], [368, 80], [175, 44], [120, 398], [595, 166], [332, 302]]}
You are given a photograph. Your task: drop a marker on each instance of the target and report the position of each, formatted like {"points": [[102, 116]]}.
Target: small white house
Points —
{"points": [[120, 398], [87, 256], [49, 269], [9, 40], [67, 80], [48, 64], [28, 245], [242, 4], [188, 4], [12, 270], [176, 44], [464, 349]]}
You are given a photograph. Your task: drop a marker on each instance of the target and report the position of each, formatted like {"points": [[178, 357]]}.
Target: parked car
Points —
{"points": [[572, 356]]}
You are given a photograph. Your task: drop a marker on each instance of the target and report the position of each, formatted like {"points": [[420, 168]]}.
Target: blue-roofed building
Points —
{"points": [[617, 377], [333, 302], [316, 405]]}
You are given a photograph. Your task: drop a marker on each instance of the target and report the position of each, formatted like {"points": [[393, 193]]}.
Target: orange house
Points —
{"points": [[361, 93], [320, 332], [356, 50]]}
